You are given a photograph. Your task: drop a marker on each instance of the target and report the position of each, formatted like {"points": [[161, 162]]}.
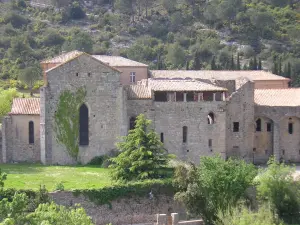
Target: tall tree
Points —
{"points": [[259, 64], [142, 155], [232, 65], [213, 64], [29, 76], [197, 63], [255, 63], [238, 64]]}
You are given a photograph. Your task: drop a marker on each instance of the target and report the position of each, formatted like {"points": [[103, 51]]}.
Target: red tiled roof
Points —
{"points": [[25, 106], [277, 97], [138, 92], [63, 57]]}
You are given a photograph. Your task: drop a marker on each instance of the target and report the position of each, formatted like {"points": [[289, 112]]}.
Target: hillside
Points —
{"points": [[166, 34]]}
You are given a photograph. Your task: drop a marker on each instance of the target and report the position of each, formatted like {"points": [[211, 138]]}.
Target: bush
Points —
{"points": [[59, 187], [98, 160], [276, 185], [214, 185], [241, 215], [143, 188]]}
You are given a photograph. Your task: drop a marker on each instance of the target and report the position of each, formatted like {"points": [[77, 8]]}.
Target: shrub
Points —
{"points": [[214, 185], [276, 185], [59, 187], [98, 160]]}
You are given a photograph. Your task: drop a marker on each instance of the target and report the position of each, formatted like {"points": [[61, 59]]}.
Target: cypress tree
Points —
{"points": [[254, 63], [279, 67], [289, 71], [232, 66], [251, 64], [197, 64], [213, 64], [259, 64], [238, 64], [187, 65]]}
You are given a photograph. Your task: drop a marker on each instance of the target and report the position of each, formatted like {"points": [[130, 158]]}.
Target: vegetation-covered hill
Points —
{"points": [[166, 34]]}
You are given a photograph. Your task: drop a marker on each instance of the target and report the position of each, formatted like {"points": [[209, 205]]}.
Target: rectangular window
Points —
{"points": [[269, 127], [190, 96], [132, 77], [160, 96], [210, 143], [179, 96], [184, 134], [290, 128], [162, 137], [236, 126], [31, 132]]}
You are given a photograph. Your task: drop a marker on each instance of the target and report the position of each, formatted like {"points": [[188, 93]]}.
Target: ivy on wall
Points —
{"points": [[67, 120]]}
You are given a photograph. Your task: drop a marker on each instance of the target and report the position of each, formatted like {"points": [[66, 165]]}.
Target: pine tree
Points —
{"points": [[238, 64], [232, 65], [213, 64], [251, 64], [259, 64], [279, 72], [142, 155], [197, 63], [254, 63]]}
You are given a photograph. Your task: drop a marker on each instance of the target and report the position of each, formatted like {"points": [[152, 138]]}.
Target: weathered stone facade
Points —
{"points": [[194, 115]]}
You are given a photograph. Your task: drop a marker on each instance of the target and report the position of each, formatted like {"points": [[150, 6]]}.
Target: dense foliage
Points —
{"points": [[142, 155], [6, 98], [214, 185], [166, 34], [277, 186], [143, 189]]}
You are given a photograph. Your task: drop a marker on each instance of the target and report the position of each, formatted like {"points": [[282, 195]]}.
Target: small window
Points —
{"points": [[210, 143], [269, 127], [162, 137], [236, 126], [290, 128], [76, 74], [258, 125], [184, 134], [132, 123], [89, 74], [211, 118], [132, 77], [31, 132], [283, 152]]}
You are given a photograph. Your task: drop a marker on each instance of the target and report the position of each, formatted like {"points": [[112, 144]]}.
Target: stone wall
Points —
{"points": [[122, 211], [169, 118], [102, 85], [285, 145], [16, 147], [240, 109]]}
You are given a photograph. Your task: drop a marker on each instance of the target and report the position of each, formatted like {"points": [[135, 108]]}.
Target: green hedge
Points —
{"points": [[107, 194], [9, 193]]}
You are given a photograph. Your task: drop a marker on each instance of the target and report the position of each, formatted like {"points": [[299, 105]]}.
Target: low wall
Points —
{"points": [[137, 210]]}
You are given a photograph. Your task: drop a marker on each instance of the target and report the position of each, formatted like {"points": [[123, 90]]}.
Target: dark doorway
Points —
{"points": [[83, 125]]}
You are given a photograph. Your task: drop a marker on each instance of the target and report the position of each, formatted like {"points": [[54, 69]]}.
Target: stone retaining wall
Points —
{"points": [[122, 211]]}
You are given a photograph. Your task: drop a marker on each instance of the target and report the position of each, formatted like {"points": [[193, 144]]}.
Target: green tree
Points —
{"points": [[6, 98], [259, 64], [75, 11], [214, 185], [176, 55], [30, 76], [276, 185], [3, 177], [79, 40], [213, 65], [238, 63], [142, 155]]}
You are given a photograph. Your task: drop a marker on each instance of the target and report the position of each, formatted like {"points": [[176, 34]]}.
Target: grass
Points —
{"points": [[31, 176]]}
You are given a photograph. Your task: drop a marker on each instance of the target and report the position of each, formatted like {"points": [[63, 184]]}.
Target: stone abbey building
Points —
{"points": [[88, 101]]}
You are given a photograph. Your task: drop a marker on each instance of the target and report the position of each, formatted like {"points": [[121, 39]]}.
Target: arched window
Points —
{"points": [[184, 134], [83, 125], [258, 125], [31, 132], [132, 122], [211, 118]]}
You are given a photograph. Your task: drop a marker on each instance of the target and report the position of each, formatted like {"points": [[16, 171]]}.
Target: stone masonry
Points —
{"points": [[195, 113]]}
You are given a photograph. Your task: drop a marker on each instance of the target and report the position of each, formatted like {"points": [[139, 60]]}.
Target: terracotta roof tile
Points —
{"points": [[217, 74], [63, 57], [25, 106], [118, 61], [182, 85], [277, 97], [138, 92]]}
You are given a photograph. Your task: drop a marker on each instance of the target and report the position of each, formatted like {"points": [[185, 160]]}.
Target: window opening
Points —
{"points": [[31, 132], [160, 96], [83, 125], [132, 123], [184, 134], [290, 128], [210, 143], [179, 96], [269, 127], [132, 77], [236, 126], [211, 118], [190, 96], [162, 137], [258, 125]]}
